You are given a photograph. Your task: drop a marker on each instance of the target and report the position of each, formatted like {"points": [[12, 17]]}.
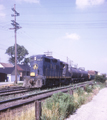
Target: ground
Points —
{"points": [[94, 110]]}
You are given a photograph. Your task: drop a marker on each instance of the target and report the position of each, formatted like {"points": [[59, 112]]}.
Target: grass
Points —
{"points": [[61, 105], [24, 115]]}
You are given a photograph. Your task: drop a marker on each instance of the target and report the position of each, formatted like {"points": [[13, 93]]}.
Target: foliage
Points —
{"points": [[21, 53], [26, 60], [80, 91], [100, 78], [60, 106], [28, 114], [81, 100], [88, 88]]}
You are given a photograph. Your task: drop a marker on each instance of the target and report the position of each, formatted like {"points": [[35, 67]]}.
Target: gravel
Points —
{"points": [[94, 110]]}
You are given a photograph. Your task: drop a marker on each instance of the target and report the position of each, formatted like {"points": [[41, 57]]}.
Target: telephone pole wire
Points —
{"points": [[15, 28]]}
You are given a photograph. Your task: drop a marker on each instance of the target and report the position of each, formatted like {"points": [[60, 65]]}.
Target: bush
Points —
{"points": [[59, 106], [81, 100], [88, 88], [80, 91], [100, 78]]}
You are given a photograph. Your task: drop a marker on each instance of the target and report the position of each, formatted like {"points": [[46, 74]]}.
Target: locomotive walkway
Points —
{"points": [[94, 110]]}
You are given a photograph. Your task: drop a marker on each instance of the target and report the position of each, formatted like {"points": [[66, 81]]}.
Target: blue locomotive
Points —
{"points": [[48, 71]]}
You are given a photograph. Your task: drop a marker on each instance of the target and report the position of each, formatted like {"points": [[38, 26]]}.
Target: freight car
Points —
{"points": [[48, 71]]}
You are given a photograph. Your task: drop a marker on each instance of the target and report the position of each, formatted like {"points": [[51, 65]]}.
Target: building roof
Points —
{"points": [[6, 65], [19, 68], [7, 70]]}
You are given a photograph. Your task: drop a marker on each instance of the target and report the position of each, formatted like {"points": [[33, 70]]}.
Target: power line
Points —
{"points": [[41, 43]]}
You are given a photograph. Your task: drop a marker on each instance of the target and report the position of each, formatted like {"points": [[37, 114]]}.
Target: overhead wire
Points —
{"points": [[59, 24], [39, 43]]}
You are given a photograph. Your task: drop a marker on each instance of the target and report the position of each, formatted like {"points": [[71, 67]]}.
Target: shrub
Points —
{"points": [[100, 78], [60, 106], [88, 88], [80, 91], [81, 100]]}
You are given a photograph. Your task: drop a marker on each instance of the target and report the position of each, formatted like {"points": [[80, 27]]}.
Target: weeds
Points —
{"points": [[88, 88], [80, 91], [24, 115], [61, 105]]}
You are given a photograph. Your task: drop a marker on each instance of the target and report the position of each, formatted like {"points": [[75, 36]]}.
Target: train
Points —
{"points": [[46, 71]]}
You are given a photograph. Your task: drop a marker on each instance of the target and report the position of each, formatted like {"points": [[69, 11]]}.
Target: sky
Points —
{"points": [[73, 29]]}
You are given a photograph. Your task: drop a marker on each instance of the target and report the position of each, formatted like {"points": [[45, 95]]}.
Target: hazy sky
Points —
{"points": [[76, 29]]}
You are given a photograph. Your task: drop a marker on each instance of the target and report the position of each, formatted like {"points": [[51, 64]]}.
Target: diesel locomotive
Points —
{"points": [[48, 71]]}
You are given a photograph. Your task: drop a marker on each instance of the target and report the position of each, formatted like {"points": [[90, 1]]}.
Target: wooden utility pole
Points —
{"points": [[15, 28]]}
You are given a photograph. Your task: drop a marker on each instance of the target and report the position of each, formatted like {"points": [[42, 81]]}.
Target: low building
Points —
{"points": [[3, 77], [5, 65], [7, 72], [24, 70]]}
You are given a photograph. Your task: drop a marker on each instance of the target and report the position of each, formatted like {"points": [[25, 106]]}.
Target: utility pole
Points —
{"points": [[15, 28]]}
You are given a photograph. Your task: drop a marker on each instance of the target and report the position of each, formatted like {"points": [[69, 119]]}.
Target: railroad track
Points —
{"points": [[11, 89], [23, 100], [17, 93], [10, 94]]}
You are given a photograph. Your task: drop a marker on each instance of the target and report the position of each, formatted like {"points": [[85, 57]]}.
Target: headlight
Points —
{"points": [[32, 74]]}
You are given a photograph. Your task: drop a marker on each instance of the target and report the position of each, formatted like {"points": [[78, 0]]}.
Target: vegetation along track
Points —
{"points": [[23, 100]]}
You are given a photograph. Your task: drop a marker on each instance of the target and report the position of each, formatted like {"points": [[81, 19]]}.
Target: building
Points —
{"points": [[5, 65], [24, 70], [7, 72]]}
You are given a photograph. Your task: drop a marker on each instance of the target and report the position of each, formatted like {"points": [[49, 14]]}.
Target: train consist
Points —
{"points": [[48, 71]]}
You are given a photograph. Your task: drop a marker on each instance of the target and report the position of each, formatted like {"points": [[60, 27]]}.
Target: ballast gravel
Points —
{"points": [[94, 110]]}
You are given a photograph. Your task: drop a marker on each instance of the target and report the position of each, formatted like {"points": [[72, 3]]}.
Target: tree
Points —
{"points": [[21, 53], [26, 60]]}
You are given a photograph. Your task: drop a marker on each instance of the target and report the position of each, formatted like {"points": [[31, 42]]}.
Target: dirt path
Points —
{"points": [[94, 110]]}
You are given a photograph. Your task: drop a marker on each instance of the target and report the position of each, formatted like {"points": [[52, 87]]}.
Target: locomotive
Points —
{"points": [[48, 71]]}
